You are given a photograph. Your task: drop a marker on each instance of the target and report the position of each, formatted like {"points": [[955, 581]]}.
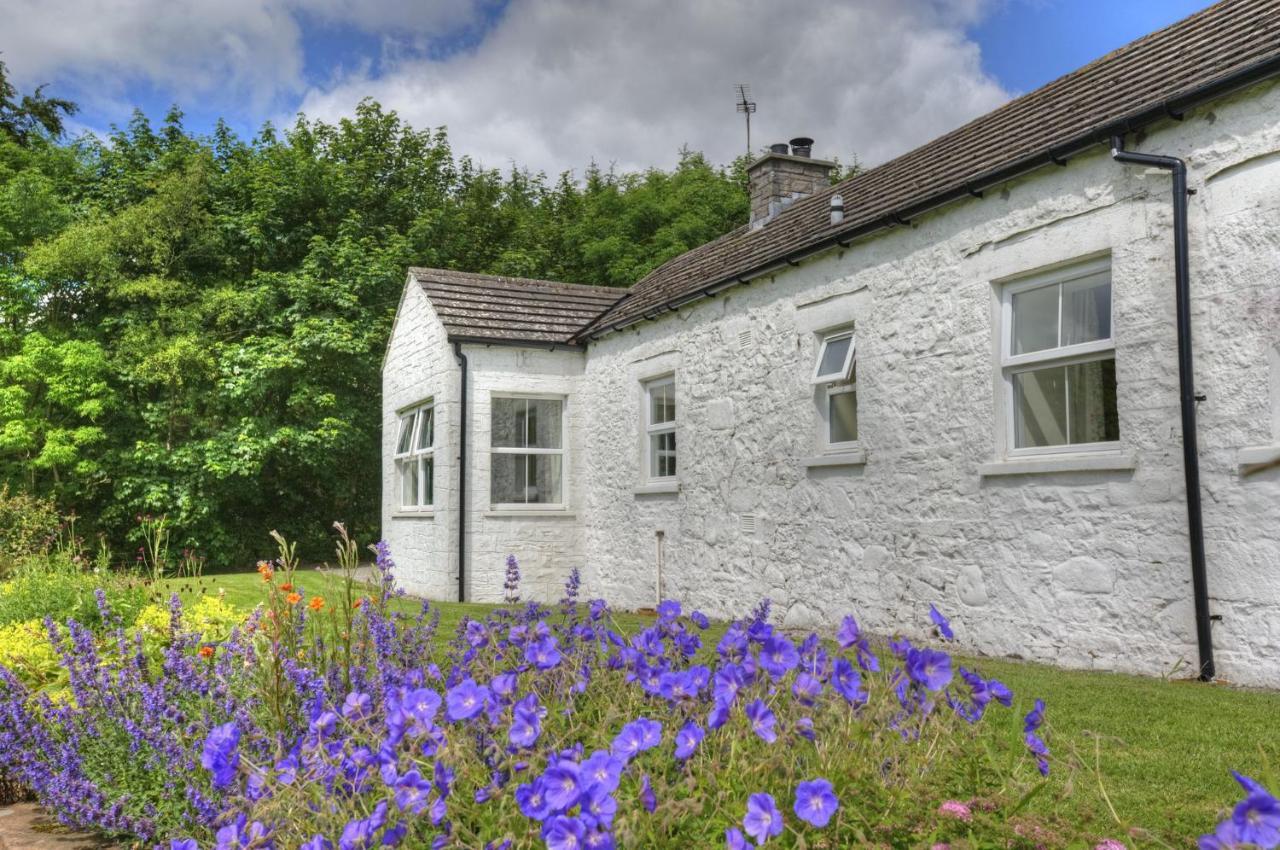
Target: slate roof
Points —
{"points": [[481, 307], [1206, 55]]}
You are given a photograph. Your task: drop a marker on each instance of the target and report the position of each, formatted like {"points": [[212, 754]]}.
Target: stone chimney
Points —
{"points": [[784, 175]]}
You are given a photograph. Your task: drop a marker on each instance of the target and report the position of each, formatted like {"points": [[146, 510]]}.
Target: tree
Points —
{"points": [[33, 113]]}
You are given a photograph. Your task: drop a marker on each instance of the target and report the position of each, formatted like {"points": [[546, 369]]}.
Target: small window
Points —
{"points": [[526, 464], [415, 457], [835, 358], [660, 428], [1059, 361], [837, 391]]}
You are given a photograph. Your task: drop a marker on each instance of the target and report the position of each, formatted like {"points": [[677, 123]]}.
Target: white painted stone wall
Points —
{"points": [[1084, 568]]}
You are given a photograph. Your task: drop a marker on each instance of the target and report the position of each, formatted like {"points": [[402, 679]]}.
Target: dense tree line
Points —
{"points": [[194, 325]]}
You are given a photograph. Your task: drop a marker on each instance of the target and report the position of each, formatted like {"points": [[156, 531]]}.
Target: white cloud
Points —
{"points": [[554, 84], [558, 83]]}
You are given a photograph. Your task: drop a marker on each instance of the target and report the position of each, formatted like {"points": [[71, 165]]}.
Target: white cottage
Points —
{"points": [[965, 377]]}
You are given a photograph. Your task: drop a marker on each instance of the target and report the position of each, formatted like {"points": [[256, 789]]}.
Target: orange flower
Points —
{"points": [[293, 598], [316, 603], [206, 652], [264, 567], [286, 587], [358, 603]]}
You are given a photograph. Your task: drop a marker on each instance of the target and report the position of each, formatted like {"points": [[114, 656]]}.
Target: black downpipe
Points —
{"points": [[462, 472], [1190, 449]]}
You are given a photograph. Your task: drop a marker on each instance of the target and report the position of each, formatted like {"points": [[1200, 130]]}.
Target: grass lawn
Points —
{"points": [[1161, 751]]}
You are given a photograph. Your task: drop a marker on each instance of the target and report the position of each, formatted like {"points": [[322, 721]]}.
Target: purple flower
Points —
{"points": [[562, 785], [700, 620], [543, 654], [816, 802], [647, 797], [849, 633], [532, 800], [318, 842], [942, 623], [564, 833], [1038, 749], [847, 682], [183, 844], [687, 740], [762, 721], [778, 656], [668, 609], [1257, 820], [422, 704], [763, 820], [735, 840], [636, 737], [356, 705], [806, 688], [412, 793], [601, 772], [221, 755], [1034, 718], [525, 728], [465, 700], [929, 667]]}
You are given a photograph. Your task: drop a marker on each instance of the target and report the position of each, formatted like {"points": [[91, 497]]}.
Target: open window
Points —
{"points": [[834, 374], [526, 463], [415, 457]]}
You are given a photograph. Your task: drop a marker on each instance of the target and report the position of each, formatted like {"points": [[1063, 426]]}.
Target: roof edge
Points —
{"points": [[1171, 108], [514, 342]]}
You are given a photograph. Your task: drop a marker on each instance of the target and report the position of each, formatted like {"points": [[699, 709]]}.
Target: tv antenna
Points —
{"points": [[746, 106]]}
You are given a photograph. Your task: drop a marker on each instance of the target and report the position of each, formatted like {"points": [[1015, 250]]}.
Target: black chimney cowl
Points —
{"points": [[780, 147], [802, 146]]}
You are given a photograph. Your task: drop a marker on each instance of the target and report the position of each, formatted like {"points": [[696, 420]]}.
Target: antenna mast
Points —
{"points": [[746, 106]]}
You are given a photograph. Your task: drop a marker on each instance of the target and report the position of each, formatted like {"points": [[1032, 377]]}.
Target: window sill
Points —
{"points": [[549, 513], [854, 457], [1082, 462], [413, 515], [1255, 456], [654, 488]]}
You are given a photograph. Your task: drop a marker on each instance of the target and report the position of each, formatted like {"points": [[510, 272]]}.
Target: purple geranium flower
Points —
{"points": [[942, 623], [929, 667], [700, 620], [636, 737], [687, 739], [564, 833], [647, 797], [221, 755], [735, 840], [763, 820], [1034, 718], [816, 802], [1257, 820], [562, 784], [849, 633], [465, 700], [668, 609], [543, 654], [601, 772], [778, 656], [422, 704], [762, 721]]}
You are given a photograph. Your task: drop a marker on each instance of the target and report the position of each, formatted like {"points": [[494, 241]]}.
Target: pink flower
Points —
{"points": [[940, 847], [955, 809], [1109, 844]]}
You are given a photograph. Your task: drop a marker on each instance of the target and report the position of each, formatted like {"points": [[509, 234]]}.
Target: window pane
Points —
{"points": [[1092, 391], [406, 434], [1040, 407], [1035, 319], [525, 479], [427, 477], [509, 422], [833, 353], [1086, 309], [662, 455], [842, 417], [408, 483], [426, 428], [662, 404], [543, 425]]}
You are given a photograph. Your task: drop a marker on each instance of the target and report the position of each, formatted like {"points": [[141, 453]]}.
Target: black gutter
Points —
{"points": [[515, 343], [462, 471], [1173, 108], [1187, 396]]}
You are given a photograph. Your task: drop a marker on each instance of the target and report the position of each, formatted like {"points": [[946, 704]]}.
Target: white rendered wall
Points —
{"points": [[1081, 568]]}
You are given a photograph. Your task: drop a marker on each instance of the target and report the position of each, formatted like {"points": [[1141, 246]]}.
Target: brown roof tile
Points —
{"points": [[1202, 56], [512, 309]]}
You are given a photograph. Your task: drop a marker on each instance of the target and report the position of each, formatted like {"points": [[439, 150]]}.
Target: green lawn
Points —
{"points": [[1162, 749]]}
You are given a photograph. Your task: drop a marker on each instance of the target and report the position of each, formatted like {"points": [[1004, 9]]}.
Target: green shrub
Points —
{"points": [[27, 526], [58, 585]]}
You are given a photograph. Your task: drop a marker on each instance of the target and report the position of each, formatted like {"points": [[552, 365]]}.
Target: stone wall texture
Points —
{"points": [[1082, 568]]}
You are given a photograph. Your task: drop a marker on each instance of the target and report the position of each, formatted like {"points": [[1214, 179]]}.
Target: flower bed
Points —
{"points": [[350, 726]]}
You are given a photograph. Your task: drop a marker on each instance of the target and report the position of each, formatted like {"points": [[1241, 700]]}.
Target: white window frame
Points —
{"points": [[827, 339], [1066, 355], [651, 429], [834, 383], [419, 457], [563, 452]]}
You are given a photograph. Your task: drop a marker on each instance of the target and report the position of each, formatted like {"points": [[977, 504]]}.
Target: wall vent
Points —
{"points": [[744, 340], [748, 522]]}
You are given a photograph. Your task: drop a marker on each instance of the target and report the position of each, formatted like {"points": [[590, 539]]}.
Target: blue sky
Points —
{"points": [[555, 84]]}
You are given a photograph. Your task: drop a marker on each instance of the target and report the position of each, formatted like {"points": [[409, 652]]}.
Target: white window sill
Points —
{"points": [[654, 488], [853, 457], [1081, 462], [1253, 456], [414, 515], [549, 513]]}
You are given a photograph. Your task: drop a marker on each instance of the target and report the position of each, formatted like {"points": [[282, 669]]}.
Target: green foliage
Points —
{"points": [[194, 327], [32, 114], [59, 585], [27, 526]]}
